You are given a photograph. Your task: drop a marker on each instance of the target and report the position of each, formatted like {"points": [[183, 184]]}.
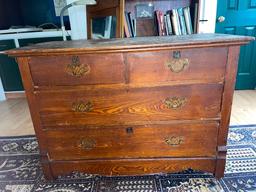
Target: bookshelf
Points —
{"points": [[144, 22]]}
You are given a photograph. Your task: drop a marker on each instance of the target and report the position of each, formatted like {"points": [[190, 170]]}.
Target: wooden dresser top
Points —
{"points": [[129, 44]]}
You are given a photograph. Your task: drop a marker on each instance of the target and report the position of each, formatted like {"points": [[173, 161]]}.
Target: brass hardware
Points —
{"points": [[82, 106], [75, 68], [221, 19], [87, 144], [177, 64], [129, 130], [176, 54], [174, 140], [175, 102]]}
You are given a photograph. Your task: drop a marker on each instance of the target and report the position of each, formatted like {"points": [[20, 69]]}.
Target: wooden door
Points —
{"points": [[239, 17]]}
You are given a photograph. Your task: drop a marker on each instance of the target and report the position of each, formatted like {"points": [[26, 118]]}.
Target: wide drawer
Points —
{"points": [[207, 64], [119, 107], [176, 140], [77, 70]]}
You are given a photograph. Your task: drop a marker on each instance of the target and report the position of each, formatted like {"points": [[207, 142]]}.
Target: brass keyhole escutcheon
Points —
{"points": [[75, 68], [177, 64]]}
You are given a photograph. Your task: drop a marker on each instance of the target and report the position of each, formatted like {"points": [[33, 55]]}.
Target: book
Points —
{"points": [[134, 27], [157, 16], [128, 23], [156, 24], [169, 24], [126, 29], [182, 21], [166, 25], [175, 22], [196, 17], [108, 25], [188, 21], [131, 24], [160, 23], [146, 27]]}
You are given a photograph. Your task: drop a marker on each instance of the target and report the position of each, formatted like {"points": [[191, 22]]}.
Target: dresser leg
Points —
{"points": [[220, 168], [46, 168], [220, 162]]}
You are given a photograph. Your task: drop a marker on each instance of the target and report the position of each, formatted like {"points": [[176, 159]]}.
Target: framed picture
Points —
{"points": [[144, 10]]}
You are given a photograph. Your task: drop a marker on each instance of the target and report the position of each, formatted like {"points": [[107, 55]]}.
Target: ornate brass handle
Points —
{"points": [[87, 144], [75, 68], [177, 64], [82, 106], [175, 102], [174, 140]]}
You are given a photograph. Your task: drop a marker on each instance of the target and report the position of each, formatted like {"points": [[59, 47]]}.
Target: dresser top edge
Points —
{"points": [[129, 44]]}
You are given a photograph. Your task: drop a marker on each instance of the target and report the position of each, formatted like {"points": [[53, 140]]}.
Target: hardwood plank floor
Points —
{"points": [[15, 119], [244, 108]]}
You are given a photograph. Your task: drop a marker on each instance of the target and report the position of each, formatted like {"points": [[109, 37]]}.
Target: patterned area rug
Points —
{"points": [[20, 171], [240, 173]]}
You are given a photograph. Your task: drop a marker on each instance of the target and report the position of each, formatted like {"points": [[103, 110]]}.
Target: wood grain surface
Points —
{"points": [[127, 106], [151, 67], [130, 44], [103, 69], [145, 141], [133, 166]]}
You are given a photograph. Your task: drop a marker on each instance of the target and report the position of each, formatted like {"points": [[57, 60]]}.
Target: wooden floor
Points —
{"points": [[15, 118]]}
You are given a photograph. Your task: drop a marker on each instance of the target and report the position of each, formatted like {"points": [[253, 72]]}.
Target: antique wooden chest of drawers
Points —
{"points": [[131, 106]]}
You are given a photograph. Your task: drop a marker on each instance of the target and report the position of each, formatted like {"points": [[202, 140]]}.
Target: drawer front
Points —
{"points": [[77, 70], [207, 64], [177, 140], [122, 107]]}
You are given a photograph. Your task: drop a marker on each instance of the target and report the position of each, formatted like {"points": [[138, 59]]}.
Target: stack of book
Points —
{"points": [[174, 22], [129, 25]]}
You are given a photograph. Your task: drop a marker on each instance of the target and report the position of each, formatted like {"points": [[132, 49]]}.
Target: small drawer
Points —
{"points": [[207, 64], [176, 140], [190, 102], [77, 69]]}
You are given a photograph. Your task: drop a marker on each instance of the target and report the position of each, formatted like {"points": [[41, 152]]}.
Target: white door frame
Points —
{"points": [[2, 94], [207, 13]]}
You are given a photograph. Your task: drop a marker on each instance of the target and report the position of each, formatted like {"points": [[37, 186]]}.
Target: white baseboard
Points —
{"points": [[15, 94]]}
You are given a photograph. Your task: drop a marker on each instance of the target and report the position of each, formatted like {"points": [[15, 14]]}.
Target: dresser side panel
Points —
{"points": [[227, 99], [33, 107]]}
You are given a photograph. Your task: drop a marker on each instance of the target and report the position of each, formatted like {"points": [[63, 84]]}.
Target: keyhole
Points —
{"points": [[129, 130], [176, 54]]}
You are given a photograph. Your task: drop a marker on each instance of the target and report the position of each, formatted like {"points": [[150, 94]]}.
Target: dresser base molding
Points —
{"points": [[129, 166]]}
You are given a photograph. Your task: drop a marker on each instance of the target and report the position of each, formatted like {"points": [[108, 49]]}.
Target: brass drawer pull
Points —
{"points": [[82, 106], [174, 141], [175, 102], [87, 144], [75, 68], [177, 64]]}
